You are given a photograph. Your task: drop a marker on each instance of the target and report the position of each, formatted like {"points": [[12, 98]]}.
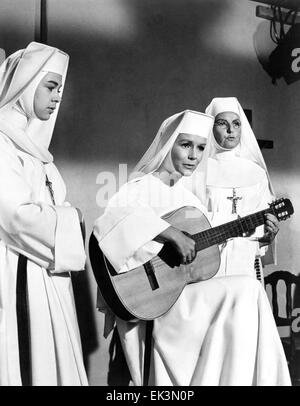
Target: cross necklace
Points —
{"points": [[234, 199]]}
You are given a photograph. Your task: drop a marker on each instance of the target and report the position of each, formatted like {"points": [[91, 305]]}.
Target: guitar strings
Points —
{"points": [[221, 233]]}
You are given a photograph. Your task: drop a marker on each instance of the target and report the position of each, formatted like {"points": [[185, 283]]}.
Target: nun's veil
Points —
{"points": [[189, 122], [20, 75], [248, 147]]}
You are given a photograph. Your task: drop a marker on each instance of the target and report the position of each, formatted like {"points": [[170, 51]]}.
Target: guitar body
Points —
{"points": [[149, 291]]}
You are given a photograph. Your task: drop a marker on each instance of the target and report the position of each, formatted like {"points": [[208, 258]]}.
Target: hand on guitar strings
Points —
{"points": [[184, 245], [271, 229]]}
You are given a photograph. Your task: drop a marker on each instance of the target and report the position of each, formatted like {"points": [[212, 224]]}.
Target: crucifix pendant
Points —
{"points": [[234, 199], [49, 186]]}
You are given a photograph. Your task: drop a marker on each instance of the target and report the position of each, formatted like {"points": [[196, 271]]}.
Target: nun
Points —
{"points": [[238, 184], [41, 240], [220, 331]]}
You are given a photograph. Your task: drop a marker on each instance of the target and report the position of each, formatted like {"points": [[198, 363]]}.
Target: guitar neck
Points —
{"points": [[235, 228]]}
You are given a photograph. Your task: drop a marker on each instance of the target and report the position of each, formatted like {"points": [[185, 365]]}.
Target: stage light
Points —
{"points": [[289, 4], [284, 61]]}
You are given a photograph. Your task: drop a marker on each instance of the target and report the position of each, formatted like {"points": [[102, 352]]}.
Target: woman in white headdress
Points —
{"points": [[220, 331], [238, 184], [40, 234]]}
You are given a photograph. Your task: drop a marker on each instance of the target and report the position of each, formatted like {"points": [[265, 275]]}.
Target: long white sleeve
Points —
{"points": [[126, 228], [32, 228]]}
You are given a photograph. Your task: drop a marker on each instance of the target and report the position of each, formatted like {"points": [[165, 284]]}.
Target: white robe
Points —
{"points": [[50, 237], [225, 173], [219, 332]]}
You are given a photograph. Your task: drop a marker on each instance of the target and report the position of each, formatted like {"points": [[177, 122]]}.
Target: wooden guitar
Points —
{"points": [[150, 290]]}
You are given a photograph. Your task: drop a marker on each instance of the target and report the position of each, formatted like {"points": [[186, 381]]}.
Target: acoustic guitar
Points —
{"points": [[150, 290]]}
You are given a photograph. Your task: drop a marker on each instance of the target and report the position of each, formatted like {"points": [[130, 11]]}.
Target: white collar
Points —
{"points": [[233, 172]]}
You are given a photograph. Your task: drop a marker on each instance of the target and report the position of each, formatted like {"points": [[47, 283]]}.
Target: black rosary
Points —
{"points": [[49, 186]]}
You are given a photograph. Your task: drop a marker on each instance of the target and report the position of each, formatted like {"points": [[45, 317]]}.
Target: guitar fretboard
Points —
{"points": [[235, 228]]}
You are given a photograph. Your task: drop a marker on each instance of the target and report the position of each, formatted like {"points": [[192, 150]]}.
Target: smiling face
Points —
{"points": [[47, 95], [227, 129], [187, 152]]}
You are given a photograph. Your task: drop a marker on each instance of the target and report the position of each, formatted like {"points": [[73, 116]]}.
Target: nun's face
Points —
{"points": [[47, 95], [227, 129], [187, 152]]}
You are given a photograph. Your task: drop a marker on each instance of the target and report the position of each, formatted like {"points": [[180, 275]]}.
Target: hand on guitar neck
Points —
{"points": [[183, 244], [271, 229]]}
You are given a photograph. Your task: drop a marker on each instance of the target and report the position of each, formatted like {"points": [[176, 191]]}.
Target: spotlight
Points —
{"points": [[284, 61]]}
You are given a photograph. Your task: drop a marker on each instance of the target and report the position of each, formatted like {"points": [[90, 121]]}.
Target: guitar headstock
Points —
{"points": [[282, 208]]}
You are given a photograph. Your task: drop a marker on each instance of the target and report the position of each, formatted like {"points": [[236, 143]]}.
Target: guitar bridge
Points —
{"points": [[151, 275]]}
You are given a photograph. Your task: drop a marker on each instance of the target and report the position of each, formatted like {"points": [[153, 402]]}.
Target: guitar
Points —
{"points": [[150, 290]]}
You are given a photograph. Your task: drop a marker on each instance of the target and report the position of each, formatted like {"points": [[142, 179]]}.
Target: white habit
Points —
{"points": [[219, 332], [30, 224], [237, 185]]}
